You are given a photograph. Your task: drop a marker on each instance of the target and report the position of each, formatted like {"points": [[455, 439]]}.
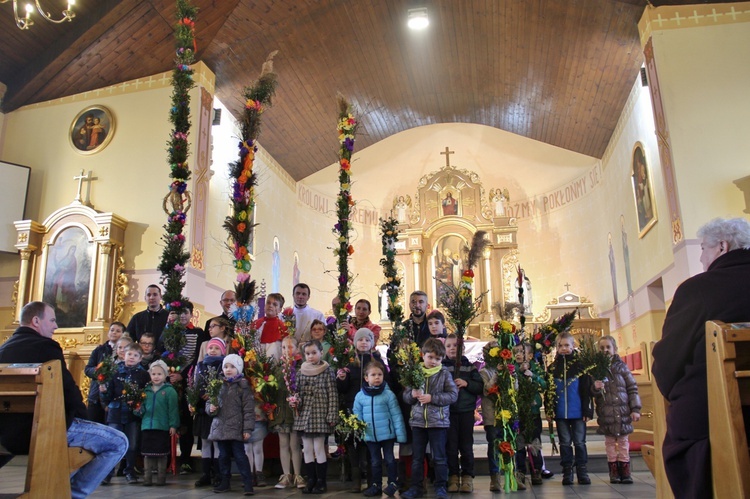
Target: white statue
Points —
{"points": [[402, 204], [499, 197]]}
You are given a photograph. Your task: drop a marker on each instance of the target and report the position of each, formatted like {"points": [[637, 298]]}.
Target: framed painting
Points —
{"points": [[92, 130], [643, 192]]}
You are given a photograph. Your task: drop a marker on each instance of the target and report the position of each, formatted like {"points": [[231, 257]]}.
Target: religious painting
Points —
{"points": [[448, 263], [643, 191], [67, 276], [450, 202], [92, 130]]}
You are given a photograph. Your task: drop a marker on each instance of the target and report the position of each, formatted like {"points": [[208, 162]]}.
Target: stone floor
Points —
{"points": [[13, 475]]}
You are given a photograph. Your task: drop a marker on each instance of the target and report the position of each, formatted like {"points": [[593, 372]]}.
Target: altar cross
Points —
{"points": [[567, 286], [88, 177], [447, 153]]}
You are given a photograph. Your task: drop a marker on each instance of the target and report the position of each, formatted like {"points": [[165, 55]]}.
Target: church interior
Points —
{"points": [[590, 139]]}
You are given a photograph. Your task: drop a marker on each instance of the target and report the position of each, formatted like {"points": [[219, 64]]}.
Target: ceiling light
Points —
{"points": [[25, 21], [418, 18]]}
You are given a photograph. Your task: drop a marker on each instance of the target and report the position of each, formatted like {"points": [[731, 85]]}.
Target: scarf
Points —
{"points": [[431, 371], [235, 379], [310, 369], [373, 391]]}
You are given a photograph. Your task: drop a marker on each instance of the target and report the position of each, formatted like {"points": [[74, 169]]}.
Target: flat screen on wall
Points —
{"points": [[14, 188]]}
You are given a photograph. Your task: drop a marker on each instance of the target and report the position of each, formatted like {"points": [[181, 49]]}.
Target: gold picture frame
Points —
{"points": [[92, 130], [643, 190]]}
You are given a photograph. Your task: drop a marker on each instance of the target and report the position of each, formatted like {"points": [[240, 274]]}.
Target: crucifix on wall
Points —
{"points": [[88, 178], [448, 153]]}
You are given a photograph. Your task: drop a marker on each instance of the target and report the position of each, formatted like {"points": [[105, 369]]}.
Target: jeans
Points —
{"points": [[461, 439], [376, 474], [437, 438], [491, 434], [227, 448], [572, 434], [108, 446], [132, 431]]}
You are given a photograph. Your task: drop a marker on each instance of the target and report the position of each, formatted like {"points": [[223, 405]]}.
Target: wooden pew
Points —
{"points": [[637, 360], [728, 368], [37, 389], [652, 454]]}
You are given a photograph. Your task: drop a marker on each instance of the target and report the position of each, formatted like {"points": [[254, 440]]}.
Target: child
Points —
{"points": [[318, 332], [572, 408], [318, 414], [161, 417], [234, 420], [461, 431], [436, 325], [218, 327], [254, 446], [349, 382], [94, 408], [215, 352], [488, 375], [377, 406], [533, 384], [430, 418], [271, 328], [120, 347], [290, 452], [148, 345], [119, 415], [617, 408]]}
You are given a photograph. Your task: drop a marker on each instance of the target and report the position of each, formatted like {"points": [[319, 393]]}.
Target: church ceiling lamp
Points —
{"points": [[25, 21], [418, 19]]}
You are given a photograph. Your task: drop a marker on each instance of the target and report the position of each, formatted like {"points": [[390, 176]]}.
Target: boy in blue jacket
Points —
{"points": [[378, 407]]}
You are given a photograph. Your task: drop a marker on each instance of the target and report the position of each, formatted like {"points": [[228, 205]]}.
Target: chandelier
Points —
{"points": [[25, 21]]}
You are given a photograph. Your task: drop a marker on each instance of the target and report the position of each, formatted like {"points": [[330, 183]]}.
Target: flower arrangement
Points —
{"points": [[174, 341], [259, 369], [504, 394], [389, 235], [543, 339], [596, 362], [350, 426], [457, 299], [174, 257], [290, 321], [239, 224], [105, 370], [410, 370], [347, 130], [288, 367], [198, 383], [213, 388], [341, 351], [133, 395]]}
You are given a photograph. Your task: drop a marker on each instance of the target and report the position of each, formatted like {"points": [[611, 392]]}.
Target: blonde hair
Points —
{"points": [[563, 336]]}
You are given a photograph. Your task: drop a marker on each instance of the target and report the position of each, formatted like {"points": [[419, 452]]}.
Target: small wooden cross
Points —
{"points": [[567, 286], [447, 153], [88, 177]]}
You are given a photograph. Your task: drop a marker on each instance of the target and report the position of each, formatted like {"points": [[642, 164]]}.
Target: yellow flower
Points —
{"points": [[494, 352], [505, 414]]}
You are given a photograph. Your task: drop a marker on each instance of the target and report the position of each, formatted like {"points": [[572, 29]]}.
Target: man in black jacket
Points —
{"points": [[151, 320], [32, 343], [228, 298]]}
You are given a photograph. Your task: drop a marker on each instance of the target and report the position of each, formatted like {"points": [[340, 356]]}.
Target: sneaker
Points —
{"points": [[284, 482], [260, 479], [373, 491], [391, 489], [300, 482], [186, 469], [547, 474], [413, 493], [441, 493], [131, 479]]}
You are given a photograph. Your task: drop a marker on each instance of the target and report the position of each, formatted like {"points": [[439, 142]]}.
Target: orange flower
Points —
{"points": [[506, 354], [494, 390], [242, 179], [506, 448], [345, 165], [243, 250], [350, 250], [241, 227]]}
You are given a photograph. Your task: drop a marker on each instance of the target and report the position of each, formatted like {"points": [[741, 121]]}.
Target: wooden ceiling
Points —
{"points": [[556, 71]]}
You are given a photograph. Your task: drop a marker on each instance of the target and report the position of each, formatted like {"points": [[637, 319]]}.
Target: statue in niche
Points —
{"points": [[450, 205], [626, 255], [499, 197], [401, 205], [612, 269], [528, 298]]}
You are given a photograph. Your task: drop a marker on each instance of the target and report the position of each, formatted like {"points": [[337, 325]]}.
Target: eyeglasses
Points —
{"points": [[214, 325], [146, 343]]}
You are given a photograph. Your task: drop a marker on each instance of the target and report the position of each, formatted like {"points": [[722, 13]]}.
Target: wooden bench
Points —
{"points": [[37, 389], [728, 369], [638, 361]]}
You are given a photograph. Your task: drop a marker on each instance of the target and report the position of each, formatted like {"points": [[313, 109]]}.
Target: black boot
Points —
{"points": [[583, 475], [205, 478], [320, 484], [614, 472], [311, 478], [624, 471], [567, 475]]}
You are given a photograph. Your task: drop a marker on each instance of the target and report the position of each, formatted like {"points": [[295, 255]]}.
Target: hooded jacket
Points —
{"points": [[378, 407], [436, 414]]}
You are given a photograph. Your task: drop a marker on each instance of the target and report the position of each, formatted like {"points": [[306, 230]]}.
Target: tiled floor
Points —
{"points": [[13, 475]]}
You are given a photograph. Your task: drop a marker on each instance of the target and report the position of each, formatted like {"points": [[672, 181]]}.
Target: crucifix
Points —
{"points": [[88, 177], [567, 286], [447, 153]]}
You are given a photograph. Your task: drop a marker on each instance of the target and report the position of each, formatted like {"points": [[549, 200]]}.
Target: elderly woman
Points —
{"points": [[362, 319], [721, 292]]}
